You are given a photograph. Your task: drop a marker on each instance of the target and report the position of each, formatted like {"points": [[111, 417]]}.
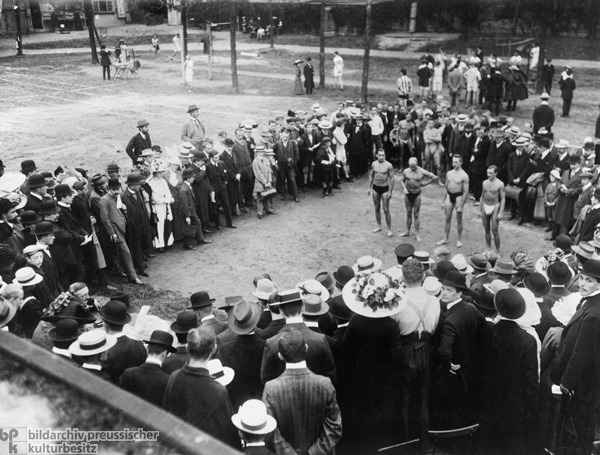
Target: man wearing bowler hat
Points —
{"points": [[38, 188], [559, 275], [193, 226], [453, 378], [141, 141], [63, 335], [127, 352], [149, 381], [202, 304], [193, 130], [115, 224], [28, 167], [185, 321], [318, 358], [543, 115], [509, 380], [577, 369], [240, 348], [219, 177]]}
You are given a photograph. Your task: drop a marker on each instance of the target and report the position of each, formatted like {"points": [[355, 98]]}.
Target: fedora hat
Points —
{"points": [[63, 190], [48, 208], [43, 228], [112, 167], [92, 343], [264, 288], [200, 299], [485, 301], [509, 303], [423, 256], [456, 280], [504, 267], [244, 316], [326, 279], [253, 418], [591, 268], [65, 330], [537, 283], [147, 152], [185, 321], [367, 264], [495, 286], [479, 262], [442, 268], [192, 108], [288, 296], [342, 275], [339, 309], [28, 166], [115, 312], [460, 262], [7, 312], [37, 180], [26, 276], [564, 243], [314, 287], [162, 339], [585, 250], [142, 123], [404, 251], [230, 302], [99, 179], [325, 125], [223, 375], [432, 286], [559, 273], [114, 184], [314, 305]]}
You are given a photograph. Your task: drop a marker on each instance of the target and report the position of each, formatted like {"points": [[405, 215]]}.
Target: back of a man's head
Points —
{"points": [[412, 271], [201, 343], [292, 309], [292, 347]]}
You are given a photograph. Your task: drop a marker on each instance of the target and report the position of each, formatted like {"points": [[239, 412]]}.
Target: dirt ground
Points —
{"points": [[57, 110]]}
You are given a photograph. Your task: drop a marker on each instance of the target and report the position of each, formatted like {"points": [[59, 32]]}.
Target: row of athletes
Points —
{"points": [[456, 191]]}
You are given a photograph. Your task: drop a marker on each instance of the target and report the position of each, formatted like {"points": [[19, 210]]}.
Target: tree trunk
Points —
{"points": [[272, 28], [234, 76], [540, 65], [89, 17], [184, 20], [365, 75], [322, 48]]}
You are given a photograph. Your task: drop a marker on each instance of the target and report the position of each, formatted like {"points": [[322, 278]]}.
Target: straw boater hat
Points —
{"points": [[223, 375], [359, 307], [92, 343], [297, 62], [313, 287], [27, 277], [314, 305], [460, 262], [367, 264], [253, 418], [585, 250], [7, 311]]}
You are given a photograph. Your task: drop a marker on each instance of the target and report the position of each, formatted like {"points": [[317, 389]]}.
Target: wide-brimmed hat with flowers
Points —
{"points": [[374, 295]]}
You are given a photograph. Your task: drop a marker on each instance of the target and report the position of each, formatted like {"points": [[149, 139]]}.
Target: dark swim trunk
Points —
{"points": [[381, 189], [454, 196], [412, 196]]}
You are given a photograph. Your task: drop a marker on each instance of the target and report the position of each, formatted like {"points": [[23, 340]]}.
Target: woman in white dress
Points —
{"points": [[338, 69], [189, 72], [161, 201]]}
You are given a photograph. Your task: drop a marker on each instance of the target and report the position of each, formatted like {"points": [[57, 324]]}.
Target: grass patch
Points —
{"points": [[351, 41]]}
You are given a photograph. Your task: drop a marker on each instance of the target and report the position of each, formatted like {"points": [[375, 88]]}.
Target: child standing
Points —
{"points": [[550, 197]]}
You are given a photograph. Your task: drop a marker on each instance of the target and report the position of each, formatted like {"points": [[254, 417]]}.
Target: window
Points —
{"points": [[103, 6]]}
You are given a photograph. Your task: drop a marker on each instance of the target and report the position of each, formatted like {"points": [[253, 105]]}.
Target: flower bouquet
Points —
{"points": [[374, 295]]}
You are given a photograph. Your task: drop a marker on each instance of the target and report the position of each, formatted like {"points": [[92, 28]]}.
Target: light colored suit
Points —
{"points": [[193, 131]]}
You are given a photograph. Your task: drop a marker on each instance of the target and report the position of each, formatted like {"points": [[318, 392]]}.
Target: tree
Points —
{"points": [[365, 75], [89, 17], [232, 29]]}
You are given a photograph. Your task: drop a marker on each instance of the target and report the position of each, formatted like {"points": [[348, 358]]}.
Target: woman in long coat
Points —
{"points": [[174, 180], [516, 88], [298, 82]]}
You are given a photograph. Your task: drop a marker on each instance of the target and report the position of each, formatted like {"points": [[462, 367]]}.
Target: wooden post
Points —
{"points": [[271, 26], [234, 76], [182, 56], [210, 50], [184, 21], [322, 48], [365, 75], [89, 17]]}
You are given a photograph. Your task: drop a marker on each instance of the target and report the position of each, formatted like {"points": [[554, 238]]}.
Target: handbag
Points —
{"points": [[512, 192], [268, 193], [189, 230], [531, 192]]}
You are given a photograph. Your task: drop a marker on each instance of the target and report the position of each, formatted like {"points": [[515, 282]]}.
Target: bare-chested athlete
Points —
{"points": [[411, 181], [492, 207], [381, 181], [455, 195]]}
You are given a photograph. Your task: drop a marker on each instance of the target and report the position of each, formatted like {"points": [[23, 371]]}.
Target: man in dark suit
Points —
{"points": [[559, 275], [478, 168], [188, 211], [287, 156], [240, 348], [510, 387], [518, 170], [186, 321], [453, 381], [44, 232], [309, 76], [277, 319], [303, 403], [70, 224], [62, 335], [127, 353], [195, 396], [569, 191], [141, 141], [577, 369], [319, 358], [138, 223], [219, 180], [38, 189], [567, 87], [359, 141], [233, 177], [494, 91], [465, 145], [500, 150], [543, 162], [202, 304], [543, 115], [241, 152], [149, 381], [592, 219]]}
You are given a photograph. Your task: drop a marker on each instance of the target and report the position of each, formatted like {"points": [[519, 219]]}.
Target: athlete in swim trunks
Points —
{"points": [[381, 182], [455, 196], [492, 207], [411, 181]]}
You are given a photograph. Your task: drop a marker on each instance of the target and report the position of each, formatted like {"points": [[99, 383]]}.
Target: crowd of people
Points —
{"points": [[506, 342]]}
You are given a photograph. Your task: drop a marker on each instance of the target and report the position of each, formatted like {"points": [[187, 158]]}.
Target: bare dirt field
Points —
{"points": [[57, 110]]}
